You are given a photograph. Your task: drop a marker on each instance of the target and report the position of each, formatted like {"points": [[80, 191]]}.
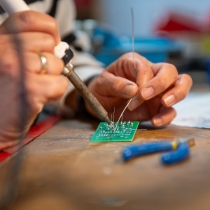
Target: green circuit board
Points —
{"points": [[122, 131]]}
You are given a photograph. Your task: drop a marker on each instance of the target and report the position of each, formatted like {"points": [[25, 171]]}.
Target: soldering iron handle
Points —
{"points": [[143, 149], [12, 6]]}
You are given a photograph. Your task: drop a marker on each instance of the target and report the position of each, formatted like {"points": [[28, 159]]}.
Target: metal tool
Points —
{"points": [[177, 150], [64, 52]]}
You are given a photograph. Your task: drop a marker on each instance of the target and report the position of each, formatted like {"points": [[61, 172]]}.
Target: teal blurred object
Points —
{"points": [[155, 49]]}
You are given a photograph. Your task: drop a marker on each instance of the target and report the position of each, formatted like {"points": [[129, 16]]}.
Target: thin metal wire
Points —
{"points": [[122, 113], [132, 16], [134, 64], [113, 114]]}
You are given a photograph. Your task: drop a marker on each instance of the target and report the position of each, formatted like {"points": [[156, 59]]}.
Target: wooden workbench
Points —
{"points": [[63, 170]]}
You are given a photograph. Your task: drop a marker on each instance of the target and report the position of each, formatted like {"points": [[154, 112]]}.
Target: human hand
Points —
{"points": [[153, 87], [22, 37]]}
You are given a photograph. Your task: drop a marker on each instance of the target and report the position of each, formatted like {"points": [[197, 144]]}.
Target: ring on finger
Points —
{"points": [[44, 64]]}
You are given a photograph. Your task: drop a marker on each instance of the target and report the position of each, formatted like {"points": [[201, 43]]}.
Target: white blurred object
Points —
{"points": [[83, 40], [193, 111], [88, 26], [116, 13]]}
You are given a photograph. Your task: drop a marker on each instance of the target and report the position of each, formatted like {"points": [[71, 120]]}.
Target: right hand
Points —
{"points": [[37, 33], [154, 87]]}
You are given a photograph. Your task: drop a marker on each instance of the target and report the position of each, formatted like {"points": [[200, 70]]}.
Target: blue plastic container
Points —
{"points": [[207, 63], [154, 49]]}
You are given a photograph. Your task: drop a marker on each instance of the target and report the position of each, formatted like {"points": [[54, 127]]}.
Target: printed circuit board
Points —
{"points": [[121, 131]]}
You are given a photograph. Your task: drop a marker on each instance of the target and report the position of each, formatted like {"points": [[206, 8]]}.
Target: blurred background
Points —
{"points": [[174, 31]]}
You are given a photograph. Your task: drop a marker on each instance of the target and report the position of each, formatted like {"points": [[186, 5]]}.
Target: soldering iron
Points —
{"points": [[63, 51]]}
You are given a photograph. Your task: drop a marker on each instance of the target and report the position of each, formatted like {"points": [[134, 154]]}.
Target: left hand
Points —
{"points": [[24, 90], [153, 87]]}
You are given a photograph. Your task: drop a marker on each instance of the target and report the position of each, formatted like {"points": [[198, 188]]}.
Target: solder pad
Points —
{"points": [[123, 131]]}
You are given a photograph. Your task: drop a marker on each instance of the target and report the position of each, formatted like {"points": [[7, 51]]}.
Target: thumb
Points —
{"points": [[116, 86]]}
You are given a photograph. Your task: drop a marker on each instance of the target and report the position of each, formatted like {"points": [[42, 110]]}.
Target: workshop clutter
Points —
{"points": [[112, 46], [194, 32], [182, 39]]}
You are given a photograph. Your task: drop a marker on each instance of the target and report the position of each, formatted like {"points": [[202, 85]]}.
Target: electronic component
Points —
{"points": [[117, 131]]}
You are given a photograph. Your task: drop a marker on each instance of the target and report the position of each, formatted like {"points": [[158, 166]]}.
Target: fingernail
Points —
{"points": [[157, 121], [129, 90], [170, 100], [148, 92], [134, 103]]}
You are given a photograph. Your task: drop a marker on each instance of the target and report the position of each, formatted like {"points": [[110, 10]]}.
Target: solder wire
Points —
{"points": [[113, 114], [132, 16], [122, 113], [134, 64]]}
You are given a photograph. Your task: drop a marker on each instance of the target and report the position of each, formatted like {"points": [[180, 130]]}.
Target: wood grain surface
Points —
{"points": [[63, 170]]}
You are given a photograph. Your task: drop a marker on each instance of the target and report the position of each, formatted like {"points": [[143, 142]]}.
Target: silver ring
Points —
{"points": [[44, 64]]}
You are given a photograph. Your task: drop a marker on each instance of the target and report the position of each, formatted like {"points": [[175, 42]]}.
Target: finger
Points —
{"points": [[37, 42], [179, 91], [135, 68], [165, 75], [45, 88], [10, 63], [6, 145], [116, 86], [143, 73], [165, 116], [131, 66], [28, 21], [34, 42], [33, 63]]}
